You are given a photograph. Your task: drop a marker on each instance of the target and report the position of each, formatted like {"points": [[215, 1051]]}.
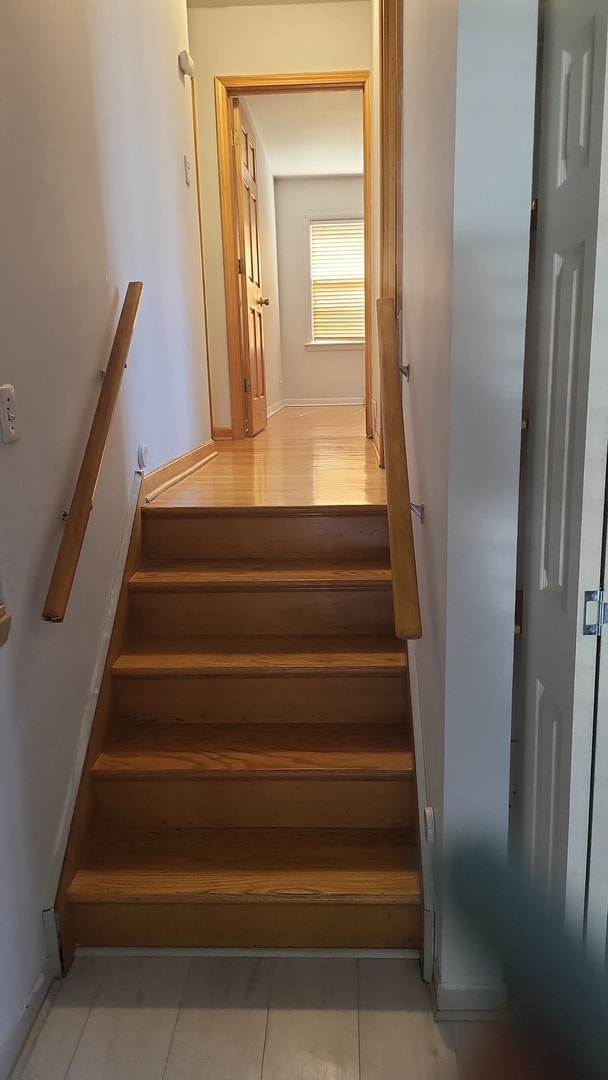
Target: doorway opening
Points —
{"points": [[242, 105]]}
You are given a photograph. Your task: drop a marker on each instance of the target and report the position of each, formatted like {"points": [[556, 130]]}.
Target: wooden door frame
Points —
{"points": [[199, 204], [391, 142], [391, 171], [227, 88]]}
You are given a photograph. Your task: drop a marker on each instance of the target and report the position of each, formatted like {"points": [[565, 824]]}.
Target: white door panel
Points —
{"points": [[567, 444], [597, 898]]}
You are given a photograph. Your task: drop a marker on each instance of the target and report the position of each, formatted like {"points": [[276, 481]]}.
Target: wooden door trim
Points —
{"points": [[226, 88], [239, 224], [391, 170], [197, 167], [369, 256], [391, 167], [229, 219], [239, 85]]}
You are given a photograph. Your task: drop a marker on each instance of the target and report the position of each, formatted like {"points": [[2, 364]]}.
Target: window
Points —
{"points": [[337, 263]]}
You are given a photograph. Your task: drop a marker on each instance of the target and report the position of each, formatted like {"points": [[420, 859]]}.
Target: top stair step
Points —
{"points": [[335, 532]]}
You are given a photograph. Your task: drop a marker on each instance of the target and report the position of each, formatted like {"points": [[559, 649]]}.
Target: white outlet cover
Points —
{"points": [[8, 414]]}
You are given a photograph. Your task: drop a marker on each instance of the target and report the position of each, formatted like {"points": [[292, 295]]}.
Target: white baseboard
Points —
{"points": [[467, 1002], [57, 858], [428, 940], [273, 409], [363, 954], [14, 1043], [51, 937], [294, 402], [426, 852], [471, 1016]]}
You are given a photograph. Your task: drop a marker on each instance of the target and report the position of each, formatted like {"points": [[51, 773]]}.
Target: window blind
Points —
{"points": [[337, 252]]}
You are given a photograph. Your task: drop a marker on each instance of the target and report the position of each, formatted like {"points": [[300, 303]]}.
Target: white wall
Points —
{"points": [[313, 374], [467, 215], [259, 40], [429, 130], [93, 194]]}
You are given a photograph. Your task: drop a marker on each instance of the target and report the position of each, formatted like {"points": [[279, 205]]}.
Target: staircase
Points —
{"points": [[255, 786]]}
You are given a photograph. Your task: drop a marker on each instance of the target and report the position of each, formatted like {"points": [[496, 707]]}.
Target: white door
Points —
{"points": [[597, 895], [567, 465]]}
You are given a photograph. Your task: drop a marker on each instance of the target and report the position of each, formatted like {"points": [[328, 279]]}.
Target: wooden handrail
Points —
{"points": [[78, 517], [406, 604]]}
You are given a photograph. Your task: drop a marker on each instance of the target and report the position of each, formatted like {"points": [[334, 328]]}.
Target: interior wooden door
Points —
{"points": [[568, 430], [253, 303]]}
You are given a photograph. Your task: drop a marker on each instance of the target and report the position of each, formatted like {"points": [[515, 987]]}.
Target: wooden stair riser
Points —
{"points": [[165, 615], [253, 803], [265, 536], [305, 926], [350, 699]]}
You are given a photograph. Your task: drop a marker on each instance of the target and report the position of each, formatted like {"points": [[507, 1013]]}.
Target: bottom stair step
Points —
{"points": [[342, 888], [261, 865]]}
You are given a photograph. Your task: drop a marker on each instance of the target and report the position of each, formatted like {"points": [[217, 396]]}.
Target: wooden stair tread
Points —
{"points": [[359, 866], [249, 574], [262, 751], [263, 656]]}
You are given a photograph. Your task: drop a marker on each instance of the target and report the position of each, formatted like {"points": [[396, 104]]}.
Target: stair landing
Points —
{"points": [[307, 456]]}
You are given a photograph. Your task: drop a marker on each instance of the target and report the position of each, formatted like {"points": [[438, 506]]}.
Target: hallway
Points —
{"points": [[308, 456], [246, 1018]]}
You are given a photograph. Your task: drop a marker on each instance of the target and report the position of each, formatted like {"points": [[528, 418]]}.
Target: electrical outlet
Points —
{"points": [[5, 625], [8, 414]]}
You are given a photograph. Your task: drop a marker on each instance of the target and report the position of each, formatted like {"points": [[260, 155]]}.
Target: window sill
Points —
{"points": [[326, 346]]}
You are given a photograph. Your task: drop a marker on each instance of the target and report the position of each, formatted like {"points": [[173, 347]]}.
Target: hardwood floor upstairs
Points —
{"points": [[254, 783]]}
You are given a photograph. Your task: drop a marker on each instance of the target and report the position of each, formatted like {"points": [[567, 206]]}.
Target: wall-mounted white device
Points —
{"points": [[8, 414], [186, 63]]}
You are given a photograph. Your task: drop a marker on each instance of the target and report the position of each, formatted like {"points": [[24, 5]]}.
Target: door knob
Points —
{"points": [[263, 302]]}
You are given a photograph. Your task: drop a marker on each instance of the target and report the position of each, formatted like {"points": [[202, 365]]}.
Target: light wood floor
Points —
{"points": [[175, 1018], [306, 457]]}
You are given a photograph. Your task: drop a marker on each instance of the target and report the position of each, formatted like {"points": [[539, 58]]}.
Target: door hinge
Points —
{"points": [[593, 626], [534, 215], [240, 266], [235, 138], [247, 385]]}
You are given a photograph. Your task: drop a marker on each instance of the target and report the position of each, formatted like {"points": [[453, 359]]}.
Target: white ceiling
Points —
{"points": [[311, 134]]}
